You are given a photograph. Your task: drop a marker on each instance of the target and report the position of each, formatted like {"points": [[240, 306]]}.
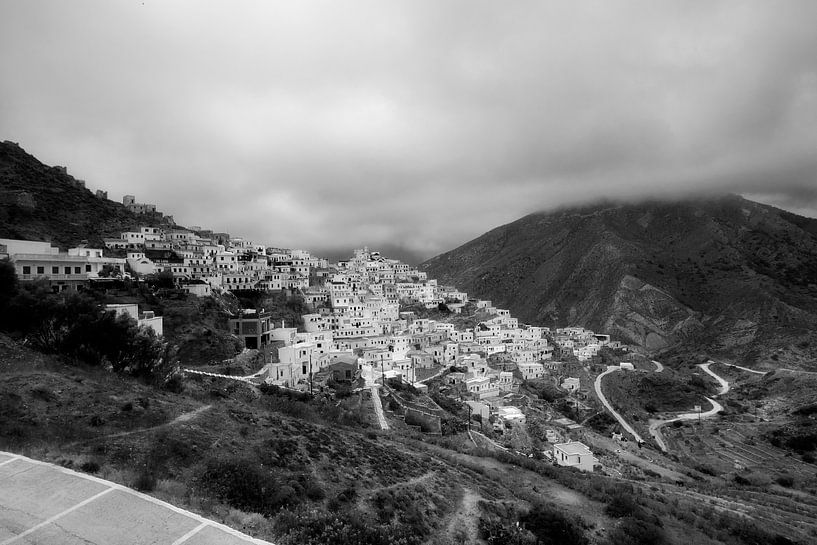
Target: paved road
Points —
{"points": [[624, 424], [378, 408], [784, 369], [655, 425], [742, 368], [724, 385], [44, 504]]}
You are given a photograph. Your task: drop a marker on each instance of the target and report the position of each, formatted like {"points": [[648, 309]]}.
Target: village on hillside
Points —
{"points": [[376, 324]]}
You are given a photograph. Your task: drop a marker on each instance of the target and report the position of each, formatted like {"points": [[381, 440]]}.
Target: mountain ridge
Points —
{"points": [[726, 274], [41, 202]]}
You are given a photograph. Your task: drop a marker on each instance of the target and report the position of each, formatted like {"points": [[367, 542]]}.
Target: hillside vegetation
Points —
{"points": [[295, 469]]}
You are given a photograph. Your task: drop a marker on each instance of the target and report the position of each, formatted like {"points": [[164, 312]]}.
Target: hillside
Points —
{"points": [[40, 202], [726, 275], [293, 469]]}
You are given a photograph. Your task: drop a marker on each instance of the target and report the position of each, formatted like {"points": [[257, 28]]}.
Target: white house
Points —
{"points": [[574, 454], [571, 384], [144, 319], [531, 371]]}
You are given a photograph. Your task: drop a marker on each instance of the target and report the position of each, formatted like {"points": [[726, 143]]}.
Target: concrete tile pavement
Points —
{"points": [[41, 503]]}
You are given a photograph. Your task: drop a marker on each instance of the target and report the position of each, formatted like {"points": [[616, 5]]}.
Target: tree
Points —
{"points": [[107, 271], [74, 326], [163, 280], [8, 283]]}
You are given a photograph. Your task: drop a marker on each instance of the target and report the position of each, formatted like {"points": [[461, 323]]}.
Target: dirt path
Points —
{"points": [[378, 409], [182, 418], [463, 526]]}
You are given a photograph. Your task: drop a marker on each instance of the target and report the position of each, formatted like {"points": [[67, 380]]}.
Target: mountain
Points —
{"points": [[726, 275], [40, 202]]}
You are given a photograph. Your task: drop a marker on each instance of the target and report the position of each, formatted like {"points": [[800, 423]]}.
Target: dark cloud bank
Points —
{"points": [[412, 126]]}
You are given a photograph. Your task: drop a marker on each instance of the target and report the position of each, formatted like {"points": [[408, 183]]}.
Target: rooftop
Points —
{"points": [[574, 447]]}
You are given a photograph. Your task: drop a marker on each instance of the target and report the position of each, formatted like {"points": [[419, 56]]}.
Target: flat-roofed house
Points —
{"points": [[574, 454]]}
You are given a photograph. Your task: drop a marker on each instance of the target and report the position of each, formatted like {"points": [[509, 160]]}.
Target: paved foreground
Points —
{"points": [[43, 504]]}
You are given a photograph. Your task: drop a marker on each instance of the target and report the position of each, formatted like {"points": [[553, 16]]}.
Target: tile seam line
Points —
{"points": [[151, 499], [190, 534], [9, 461], [56, 517]]}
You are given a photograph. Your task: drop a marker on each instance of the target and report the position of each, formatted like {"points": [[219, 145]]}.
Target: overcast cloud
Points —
{"points": [[412, 126]]}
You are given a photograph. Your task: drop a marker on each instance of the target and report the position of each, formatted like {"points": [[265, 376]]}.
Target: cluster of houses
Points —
{"points": [[69, 270], [356, 330]]}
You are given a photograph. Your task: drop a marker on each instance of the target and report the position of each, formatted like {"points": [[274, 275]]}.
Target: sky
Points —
{"points": [[411, 127]]}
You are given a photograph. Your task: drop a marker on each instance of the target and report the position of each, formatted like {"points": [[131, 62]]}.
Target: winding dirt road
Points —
{"points": [[655, 425], [600, 394]]}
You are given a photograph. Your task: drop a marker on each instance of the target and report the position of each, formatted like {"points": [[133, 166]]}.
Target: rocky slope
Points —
{"points": [[39, 202], [727, 275]]}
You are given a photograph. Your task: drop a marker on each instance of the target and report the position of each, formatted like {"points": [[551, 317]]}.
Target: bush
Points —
{"points": [[90, 467], [315, 492], [75, 326], [742, 480], [621, 505], [243, 484], [498, 532], [785, 480], [707, 470], [633, 531], [145, 481], [314, 527], [552, 527]]}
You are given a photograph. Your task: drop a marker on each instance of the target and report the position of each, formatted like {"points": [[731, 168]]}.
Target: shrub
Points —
{"points": [[707, 470], [315, 492], [97, 421], [785, 480], [497, 532], [633, 531], [552, 527], [313, 527], [90, 467], [742, 480], [145, 481], [243, 484], [622, 505]]}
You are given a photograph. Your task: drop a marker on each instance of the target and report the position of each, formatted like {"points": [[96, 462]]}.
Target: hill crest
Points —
{"points": [[45, 203], [723, 274]]}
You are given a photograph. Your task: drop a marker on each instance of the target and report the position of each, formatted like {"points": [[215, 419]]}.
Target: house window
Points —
{"points": [[77, 270], [67, 270], [26, 269], [40, 270], [55, 270], [87, 268]]}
